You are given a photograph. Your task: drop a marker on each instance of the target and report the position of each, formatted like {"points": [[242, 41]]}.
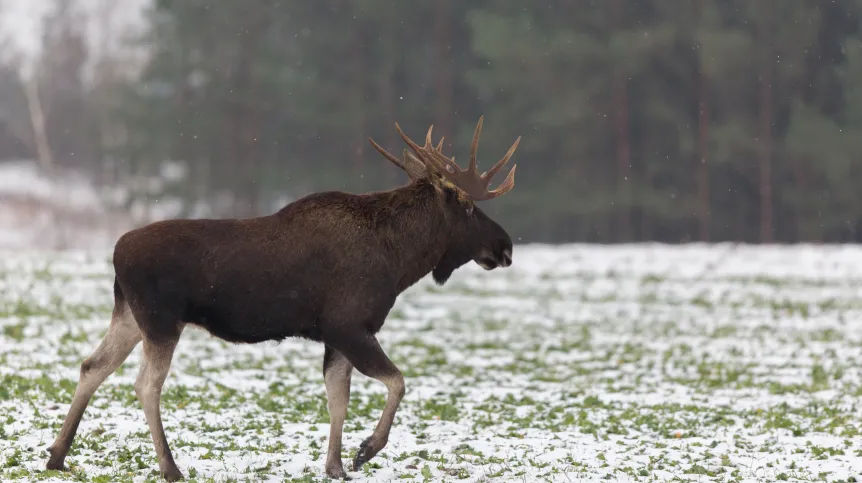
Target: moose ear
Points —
{"points": [[415, 168]]}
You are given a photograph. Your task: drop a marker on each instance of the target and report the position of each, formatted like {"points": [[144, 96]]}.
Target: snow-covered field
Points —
{"points": [[579, 363]]}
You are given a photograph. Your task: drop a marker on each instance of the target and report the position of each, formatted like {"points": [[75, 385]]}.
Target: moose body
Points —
{"points": [[327, 267], [293, 273]]}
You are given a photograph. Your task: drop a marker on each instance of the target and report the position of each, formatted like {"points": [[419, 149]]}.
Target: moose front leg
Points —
{"points": [[366, 355], [336, 374]]}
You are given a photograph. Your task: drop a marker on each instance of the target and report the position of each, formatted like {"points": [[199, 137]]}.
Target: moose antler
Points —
{"points": [[474, 185]]}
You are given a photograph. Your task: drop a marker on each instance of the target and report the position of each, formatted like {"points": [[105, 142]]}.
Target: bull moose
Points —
{"points": [[327, 267]]}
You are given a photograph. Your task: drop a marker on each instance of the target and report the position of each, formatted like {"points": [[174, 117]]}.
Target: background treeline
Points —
{"points": [[668, 120]]}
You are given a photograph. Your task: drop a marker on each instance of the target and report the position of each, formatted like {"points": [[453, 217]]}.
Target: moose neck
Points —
{"points": [[416, 231]]}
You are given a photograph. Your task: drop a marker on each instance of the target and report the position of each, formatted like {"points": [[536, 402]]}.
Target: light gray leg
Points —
{"points": [[123, 335], [336, 374], [372, 445], [366, 355], [156, 363]]}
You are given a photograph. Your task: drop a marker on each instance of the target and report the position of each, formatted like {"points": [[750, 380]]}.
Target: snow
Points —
{"points": [[579, 363], [68, 211], [24, 179], [63, 211]]}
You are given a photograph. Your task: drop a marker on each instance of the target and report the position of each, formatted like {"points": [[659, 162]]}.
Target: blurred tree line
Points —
{"points": [[668, 120]]}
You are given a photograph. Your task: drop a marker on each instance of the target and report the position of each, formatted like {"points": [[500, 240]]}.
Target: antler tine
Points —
{"points": [[386, 154], [505, 186], [486, 178], [428, 143], [440, 145], [427, 153], [475, 145], [415, 147]]}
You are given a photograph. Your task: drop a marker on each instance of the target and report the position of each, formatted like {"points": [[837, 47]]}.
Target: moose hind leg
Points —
{"points": [[366, 355], [122, 336], [156, 363], [337, 372]]}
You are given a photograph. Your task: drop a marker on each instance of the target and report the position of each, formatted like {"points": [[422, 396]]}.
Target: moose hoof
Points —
{"points": [[55, 462], [55, 465], [336, 472], [172, 474], [366, 452]]}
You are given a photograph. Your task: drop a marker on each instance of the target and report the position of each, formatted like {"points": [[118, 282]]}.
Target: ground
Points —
{"points": [[579, 363]]}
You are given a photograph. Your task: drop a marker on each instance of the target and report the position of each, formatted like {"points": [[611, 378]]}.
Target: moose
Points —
{"points": [[327, 267]]}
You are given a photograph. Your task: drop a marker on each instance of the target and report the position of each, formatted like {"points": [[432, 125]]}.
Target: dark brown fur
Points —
{"points": [[327, 267]]}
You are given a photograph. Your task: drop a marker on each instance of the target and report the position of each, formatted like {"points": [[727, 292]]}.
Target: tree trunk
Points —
{"points": [[248, 117], [251, 143], [443, 80], [766, 210], [703, 210], [359, 102], [387, 107], [40, 136], [37, 119], [624, 181], [800, 213], [621, 121]]}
